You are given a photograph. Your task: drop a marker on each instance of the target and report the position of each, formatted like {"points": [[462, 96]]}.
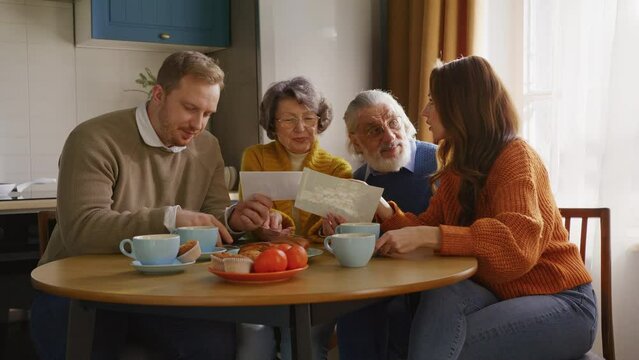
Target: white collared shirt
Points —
{"points": [[151, 138]]}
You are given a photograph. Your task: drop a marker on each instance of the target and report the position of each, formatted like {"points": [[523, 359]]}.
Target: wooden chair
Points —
{"points": [[605, 293]]}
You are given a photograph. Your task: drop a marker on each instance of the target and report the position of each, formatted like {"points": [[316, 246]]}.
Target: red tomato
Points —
{"points": [[297, 257], [270, 260], [283, 246]]}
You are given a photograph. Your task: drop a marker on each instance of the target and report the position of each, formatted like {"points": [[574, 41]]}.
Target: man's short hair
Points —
{"points": [[368, 98], [183, 63]]}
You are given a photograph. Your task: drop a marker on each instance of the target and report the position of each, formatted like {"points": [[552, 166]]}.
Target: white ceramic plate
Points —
{"points": [[177, 266], [311, 252], [207, 255]]}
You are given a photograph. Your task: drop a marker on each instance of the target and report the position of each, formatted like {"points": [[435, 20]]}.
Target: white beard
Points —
{"points": [[380, 164]]}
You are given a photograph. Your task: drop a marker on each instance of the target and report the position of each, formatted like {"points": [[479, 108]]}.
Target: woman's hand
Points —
{"points": [[272, 227], [330, 222], [408, 239]]}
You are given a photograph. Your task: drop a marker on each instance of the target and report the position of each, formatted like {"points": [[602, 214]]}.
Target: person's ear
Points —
{"points": [[158, 94], [355, 142]]}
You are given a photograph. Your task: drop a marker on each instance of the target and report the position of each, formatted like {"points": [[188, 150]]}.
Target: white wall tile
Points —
{"points": [[14, 90], [46, 24], [14, 145], [13, 13], [52, 96], [14, 168], [12, 33], [44, 166]]}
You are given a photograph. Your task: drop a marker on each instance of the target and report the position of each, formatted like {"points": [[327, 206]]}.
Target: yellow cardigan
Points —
{"points": [[274, 157]]}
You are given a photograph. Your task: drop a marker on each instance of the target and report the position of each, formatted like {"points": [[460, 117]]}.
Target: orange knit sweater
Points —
{"points": [[518, 237]]}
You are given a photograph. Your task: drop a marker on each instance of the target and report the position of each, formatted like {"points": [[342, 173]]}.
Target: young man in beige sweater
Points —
{"points": [[139, 171]]}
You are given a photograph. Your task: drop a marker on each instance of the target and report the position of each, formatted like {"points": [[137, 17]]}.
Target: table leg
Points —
{"points": [[80, 330], [301, 331]]}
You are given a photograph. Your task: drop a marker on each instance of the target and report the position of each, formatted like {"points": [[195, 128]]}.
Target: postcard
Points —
{"points": [[320, 194]]}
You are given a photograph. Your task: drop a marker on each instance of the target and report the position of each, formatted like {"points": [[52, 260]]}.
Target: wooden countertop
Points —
{"points": [[23, 206]]}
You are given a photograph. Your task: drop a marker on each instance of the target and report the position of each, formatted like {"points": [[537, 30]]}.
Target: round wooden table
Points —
{"points": [[319, 294]]}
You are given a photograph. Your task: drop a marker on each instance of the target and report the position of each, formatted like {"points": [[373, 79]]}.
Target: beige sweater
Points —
{"points": [[112, 186]]}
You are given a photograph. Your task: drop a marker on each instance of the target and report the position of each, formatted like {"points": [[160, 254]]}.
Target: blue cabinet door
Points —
{"points": [[184, 22]]}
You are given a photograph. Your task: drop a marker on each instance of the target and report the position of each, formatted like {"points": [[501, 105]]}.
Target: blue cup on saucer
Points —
{"points": [[362, 227], [206, 235], [157, 249], [352, 249]]}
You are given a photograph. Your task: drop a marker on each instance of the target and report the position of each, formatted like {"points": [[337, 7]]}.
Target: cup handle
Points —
{"points": [[123, 250], [327, 245]]}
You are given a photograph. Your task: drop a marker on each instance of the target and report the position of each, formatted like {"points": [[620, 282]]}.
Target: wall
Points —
{"points": [[47, 86], [331, 42]]}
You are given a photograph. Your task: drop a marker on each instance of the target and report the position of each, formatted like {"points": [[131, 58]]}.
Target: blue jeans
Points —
{"points": [[173, 337], [376, 332], [467, 321]]}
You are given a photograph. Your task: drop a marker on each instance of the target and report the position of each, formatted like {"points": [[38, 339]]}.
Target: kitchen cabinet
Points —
{"points": [[165, 25]]}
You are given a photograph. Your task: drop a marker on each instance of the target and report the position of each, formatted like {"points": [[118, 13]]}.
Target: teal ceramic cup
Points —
{"points": [[363, 227], [159, 249], [206, 235], [352, 249]]}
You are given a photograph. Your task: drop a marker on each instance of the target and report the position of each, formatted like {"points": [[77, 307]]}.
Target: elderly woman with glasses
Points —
{"points": [[293, 113]]}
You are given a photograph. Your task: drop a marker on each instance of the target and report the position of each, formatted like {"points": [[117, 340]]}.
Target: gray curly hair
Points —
{"points": [[300, 89]]}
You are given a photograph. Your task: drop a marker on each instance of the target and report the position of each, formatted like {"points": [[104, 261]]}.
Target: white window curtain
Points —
{"points": [[573, 69]]}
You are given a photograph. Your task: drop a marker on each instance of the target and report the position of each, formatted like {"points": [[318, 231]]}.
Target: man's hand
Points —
{"points": [[251, 213], [408, 239], [194, 218]]}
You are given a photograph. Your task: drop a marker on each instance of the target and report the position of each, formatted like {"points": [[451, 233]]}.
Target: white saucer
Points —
{"points": [[207, 255], [177, 266]]}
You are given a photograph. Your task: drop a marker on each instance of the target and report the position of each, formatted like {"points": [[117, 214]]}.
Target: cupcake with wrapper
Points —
{"points": [[189, 251]]}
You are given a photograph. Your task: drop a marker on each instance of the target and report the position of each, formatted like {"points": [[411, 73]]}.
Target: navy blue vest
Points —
{"points": [[410, 190]]}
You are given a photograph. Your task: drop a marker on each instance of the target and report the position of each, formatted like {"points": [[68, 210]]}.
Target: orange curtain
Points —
{"points": [[419, 33]]}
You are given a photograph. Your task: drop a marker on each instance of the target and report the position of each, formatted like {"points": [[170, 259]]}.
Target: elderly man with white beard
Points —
{"points": [[382, 135]]}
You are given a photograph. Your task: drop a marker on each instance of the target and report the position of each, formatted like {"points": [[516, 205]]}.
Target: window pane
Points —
{"points": [[540, 130], [538, 52]]}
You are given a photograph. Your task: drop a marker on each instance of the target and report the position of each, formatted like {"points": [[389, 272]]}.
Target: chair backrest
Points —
{"points": [[45, 218], [603, 214]]}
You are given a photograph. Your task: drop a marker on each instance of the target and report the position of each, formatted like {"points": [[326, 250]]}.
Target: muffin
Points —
{"points": [[237, 264], [189, 251], [217, 260]]}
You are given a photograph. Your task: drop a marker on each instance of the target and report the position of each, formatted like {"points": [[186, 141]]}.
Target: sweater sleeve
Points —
{"points": [[508, 244], [217, 196], [87, 223], [432, 216]]}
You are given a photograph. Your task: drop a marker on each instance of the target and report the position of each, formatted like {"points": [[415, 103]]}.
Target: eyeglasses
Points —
{"points": [[290, 121], [376, 130]]}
